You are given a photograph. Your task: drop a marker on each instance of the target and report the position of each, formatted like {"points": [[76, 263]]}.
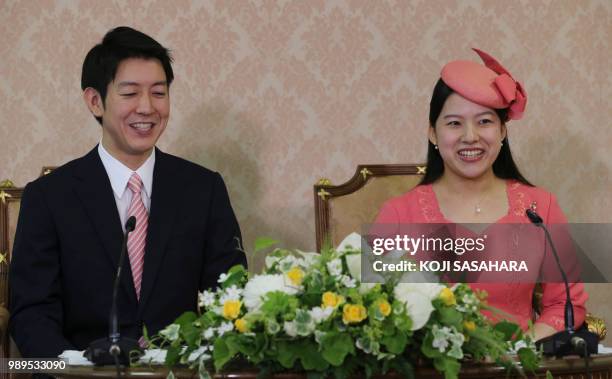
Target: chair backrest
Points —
{"points": [[10, 201], [343, 209]]}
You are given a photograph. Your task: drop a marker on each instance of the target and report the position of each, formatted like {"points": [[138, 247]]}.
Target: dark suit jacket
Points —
{"points": [[67, 248]]}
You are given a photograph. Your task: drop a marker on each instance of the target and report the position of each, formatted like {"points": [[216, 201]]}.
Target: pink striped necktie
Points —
{"points": [[137, 238]]}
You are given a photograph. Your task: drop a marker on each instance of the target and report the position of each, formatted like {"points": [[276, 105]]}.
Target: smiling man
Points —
{"points": [[72, 221]]}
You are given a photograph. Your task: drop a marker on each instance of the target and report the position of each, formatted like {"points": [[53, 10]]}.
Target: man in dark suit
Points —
{"points": [[72, 221]]}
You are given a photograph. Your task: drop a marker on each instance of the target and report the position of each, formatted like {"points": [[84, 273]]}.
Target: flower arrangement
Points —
{"points": [[311, 312]]}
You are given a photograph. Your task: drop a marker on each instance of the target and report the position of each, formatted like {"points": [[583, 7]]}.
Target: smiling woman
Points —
{"points": [[472, 178]]}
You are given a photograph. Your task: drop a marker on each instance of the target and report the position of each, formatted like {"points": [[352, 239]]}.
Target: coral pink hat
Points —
{"points": [[490, 85]]}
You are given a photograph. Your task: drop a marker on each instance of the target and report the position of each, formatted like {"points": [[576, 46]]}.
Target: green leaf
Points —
{"points": [[191, 334], [427, 349], [508, 329], [262, 243], [286, 355], [449, 366], [549, 375], [186, 318], [170, 375], [336, 346], [403, 367], [451, 317], [395, 344], [172, 356], [235, 276], [222, 353], [528, 358], [278, 303], [310, 357]]}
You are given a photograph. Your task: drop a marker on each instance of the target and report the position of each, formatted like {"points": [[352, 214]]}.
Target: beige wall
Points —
{"points": [[276, 94]]}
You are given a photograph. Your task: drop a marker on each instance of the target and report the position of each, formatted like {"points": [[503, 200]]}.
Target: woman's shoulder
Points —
{"points": [[412, 206], [524, 196]]}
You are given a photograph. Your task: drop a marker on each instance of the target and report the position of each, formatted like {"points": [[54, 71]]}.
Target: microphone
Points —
{"points": [[569, 341], [114, 349]]}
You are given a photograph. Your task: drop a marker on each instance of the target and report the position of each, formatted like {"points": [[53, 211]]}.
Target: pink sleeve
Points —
{"points": [[553, 300], [388, 214]]}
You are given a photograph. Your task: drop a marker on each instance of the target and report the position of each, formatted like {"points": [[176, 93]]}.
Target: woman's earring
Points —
{"points": [[436, 147], [502, 143]]}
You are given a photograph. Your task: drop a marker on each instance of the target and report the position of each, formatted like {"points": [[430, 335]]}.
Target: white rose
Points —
{"points": [[258, 286], [353, 261], [417, 298]]}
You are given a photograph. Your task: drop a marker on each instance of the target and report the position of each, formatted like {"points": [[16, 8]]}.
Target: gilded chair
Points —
{"points": [[346, 208], [343, 209], [10, 200]]}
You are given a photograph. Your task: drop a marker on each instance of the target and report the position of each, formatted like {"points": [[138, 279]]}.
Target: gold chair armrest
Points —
{"points": [[596, 325]]}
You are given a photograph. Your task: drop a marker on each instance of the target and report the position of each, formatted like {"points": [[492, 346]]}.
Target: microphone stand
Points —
{"points": [[114, 349], [568, 341]]}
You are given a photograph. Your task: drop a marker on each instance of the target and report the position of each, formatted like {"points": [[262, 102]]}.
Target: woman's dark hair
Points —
{"points": [[503, 167], [101, 63]]}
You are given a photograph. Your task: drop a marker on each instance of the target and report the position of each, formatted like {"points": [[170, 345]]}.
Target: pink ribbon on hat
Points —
{"points": [[511, 90]]}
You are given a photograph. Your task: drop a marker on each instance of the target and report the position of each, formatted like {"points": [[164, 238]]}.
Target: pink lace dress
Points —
{"points": [[513, 296]]}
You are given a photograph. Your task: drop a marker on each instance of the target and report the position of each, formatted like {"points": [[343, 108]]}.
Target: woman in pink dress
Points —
{"points": [[472, 178]]}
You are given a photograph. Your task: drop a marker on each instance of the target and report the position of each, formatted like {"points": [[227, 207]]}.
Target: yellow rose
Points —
{"points": [[470, 326], [331, 300], [231, 309], [447, 296], [384, 307], [241, 325], [353, 313], [295, 275]]}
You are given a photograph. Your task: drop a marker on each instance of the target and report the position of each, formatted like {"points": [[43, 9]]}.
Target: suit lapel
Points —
{"points": [[161, 219], [96, 194]]}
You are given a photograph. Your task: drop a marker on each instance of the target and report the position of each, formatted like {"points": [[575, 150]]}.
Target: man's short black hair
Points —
{"points": [[101, 63]]}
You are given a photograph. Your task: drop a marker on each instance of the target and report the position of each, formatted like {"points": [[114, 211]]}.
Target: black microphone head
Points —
{"points": [[534, 217], [130, 224]]}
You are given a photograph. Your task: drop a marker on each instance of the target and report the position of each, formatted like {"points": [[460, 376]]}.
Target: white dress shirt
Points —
{"points": [[119, 175]]}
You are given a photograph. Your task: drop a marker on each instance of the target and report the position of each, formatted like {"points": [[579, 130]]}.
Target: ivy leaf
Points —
{"points": [[395, 344], [427, 349], [235, 276], [263, 243], [449, 366], [403, 367], [336, 346], [278, 302], [529, 359], [309, 356], [508, 329], [191, 334], [286, 356], [186, 319], [222, 353], [451, 317], [172, 356]]}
